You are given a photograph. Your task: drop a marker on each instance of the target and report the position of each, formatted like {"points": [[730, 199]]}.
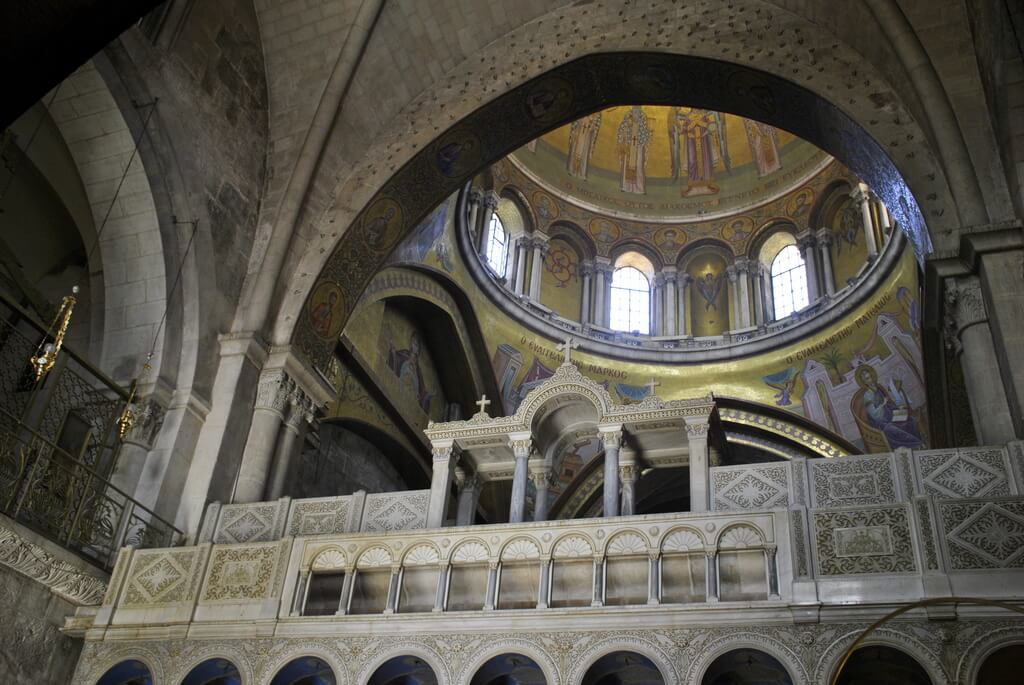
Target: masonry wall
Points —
{"points": [[32, 648]]}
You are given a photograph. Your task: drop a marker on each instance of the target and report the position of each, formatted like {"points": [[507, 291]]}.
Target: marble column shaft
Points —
{"points": [[862, 196], [685, 280], [825, 239], [968, 333], [440, 482], [540, 250], [521, 447], [610, 440], [671, 305], [271, 403], [293, 434], [627, 474], [490, 203], [469, 496], [587, 272], [697, 439], [541, 481], [808, 246]]}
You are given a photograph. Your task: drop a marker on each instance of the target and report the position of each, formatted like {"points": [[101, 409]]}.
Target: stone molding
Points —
{"points": [[59, 577]]}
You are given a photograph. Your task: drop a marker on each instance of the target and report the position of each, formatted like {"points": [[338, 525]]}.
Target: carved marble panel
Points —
{"points": [[869, 540], [161, 576], [258, 522], [983, 534], [319, 516], [395, 511], [761, 486], [852, 480], [963, 473], [245, 572]]}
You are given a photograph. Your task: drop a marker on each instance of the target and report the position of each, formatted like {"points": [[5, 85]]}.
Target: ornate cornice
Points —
{"points": [[568, 380], [60, 577]]}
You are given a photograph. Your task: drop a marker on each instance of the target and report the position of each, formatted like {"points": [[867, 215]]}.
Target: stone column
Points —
{"points": [[519, 278], [671, 303], [586, 272], [271, 401], [883, 217], [473, 200], [733, 276], [611, 437], [768, 296], [627, 474], [545, 582], [602, 271], [521, 445], [392, 600], [442, 587], [771, 554], [808, 246], [746, 318], [657, 309], [131, 458], [697, 438], [492, 585], [540, 250], [862, 196], [300, 414], [825, 239], [654, 577], [711, 554], [969, 335], [598, 581], [685, 280], [541, 479], [757, 280], [490, 203], [469, 496], [440, 482]]}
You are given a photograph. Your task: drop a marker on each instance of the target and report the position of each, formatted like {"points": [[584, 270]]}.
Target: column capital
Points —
{"points": [[628, 472], [732, 272], [149, 419], [540, 479], [475, 196], [964, 307], [611, 436], [490, 200], [274, 389], [659, 280], [806, 239], [521, 444], [586, 268], [685, 279], [825, 237], [860, 193], [697, 429], [442, 450]]}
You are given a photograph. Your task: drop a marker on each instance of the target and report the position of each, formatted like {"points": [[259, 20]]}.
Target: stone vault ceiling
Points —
{"points": [[668, 164]]}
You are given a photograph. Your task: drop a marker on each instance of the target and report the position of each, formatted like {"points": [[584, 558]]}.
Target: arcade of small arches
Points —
{"points": [[877, 663], [704, 294]]}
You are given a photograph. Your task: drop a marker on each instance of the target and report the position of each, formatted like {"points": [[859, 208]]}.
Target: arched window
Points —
{"points": [[630, 306], [789, 282], [497, 245]]}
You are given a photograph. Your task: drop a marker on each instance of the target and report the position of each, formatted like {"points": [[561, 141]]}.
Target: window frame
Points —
{"points": [[787, 287], [640, 309], [494, 244]]}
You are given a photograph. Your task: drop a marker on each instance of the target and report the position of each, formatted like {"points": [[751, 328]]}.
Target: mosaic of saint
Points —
{"points": [[669, 162]]}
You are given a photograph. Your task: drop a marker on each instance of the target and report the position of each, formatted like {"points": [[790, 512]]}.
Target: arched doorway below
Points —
{"points": [[509, 669], [306, 670], [882, 665], [404, 670], [1001, 666], [746, 667], [128, 672], [623, 668], [213, 672]]}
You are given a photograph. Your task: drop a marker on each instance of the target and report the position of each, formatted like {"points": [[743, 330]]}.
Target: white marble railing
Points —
{"points": [[268, 521], [900, 476]]}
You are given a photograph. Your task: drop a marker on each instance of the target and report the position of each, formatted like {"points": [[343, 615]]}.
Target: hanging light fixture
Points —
{"points": [[46, 353]]}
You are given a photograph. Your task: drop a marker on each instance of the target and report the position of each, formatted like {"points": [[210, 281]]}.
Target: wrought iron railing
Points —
{"points": [[59, 447]]}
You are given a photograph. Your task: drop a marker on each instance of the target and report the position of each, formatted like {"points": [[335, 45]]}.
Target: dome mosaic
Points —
{"points": [[669, 164]]}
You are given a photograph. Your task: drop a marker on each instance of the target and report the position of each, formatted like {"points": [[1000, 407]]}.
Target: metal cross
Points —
{"points": [[651, 385], [568, 346], [482, 403]]}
